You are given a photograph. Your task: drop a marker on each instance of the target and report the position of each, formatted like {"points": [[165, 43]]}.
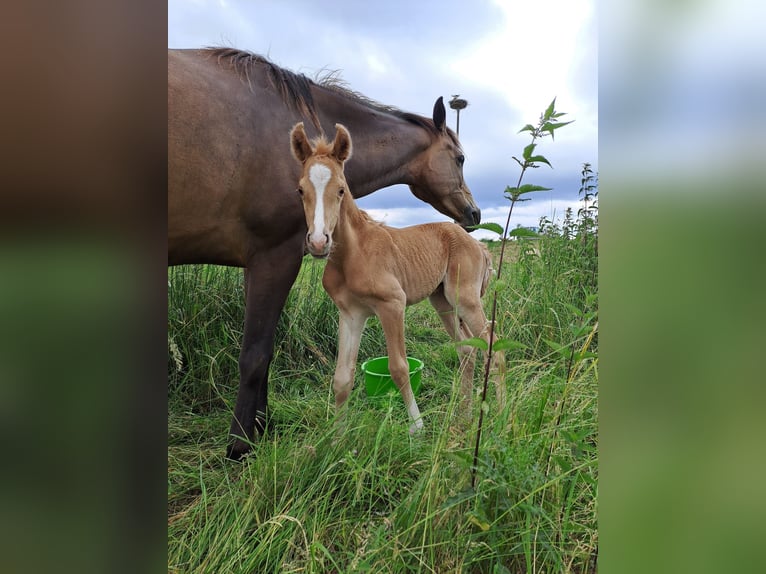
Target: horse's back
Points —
{"points": [[227, 178]]}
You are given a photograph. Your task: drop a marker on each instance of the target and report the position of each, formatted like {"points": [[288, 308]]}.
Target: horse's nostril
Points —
{"points": [[476, 214]]}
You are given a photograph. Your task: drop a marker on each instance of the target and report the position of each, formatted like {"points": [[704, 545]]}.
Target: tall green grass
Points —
{"points": [[373, 498]]}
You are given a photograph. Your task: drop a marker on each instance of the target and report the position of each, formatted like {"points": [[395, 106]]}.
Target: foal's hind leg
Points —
{"points": [[471, 312], [458, 331]]}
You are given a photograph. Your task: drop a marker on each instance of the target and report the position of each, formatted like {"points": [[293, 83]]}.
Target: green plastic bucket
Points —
{"points": [[377, 378]]}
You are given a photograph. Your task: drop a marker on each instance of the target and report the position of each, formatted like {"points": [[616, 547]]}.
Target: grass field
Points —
{"points": [[376, 499]]}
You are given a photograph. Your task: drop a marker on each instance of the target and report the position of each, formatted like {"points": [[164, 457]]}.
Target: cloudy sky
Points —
{"points": [[508, 58]]}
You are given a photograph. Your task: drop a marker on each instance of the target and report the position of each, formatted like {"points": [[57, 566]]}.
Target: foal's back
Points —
{"points": [[422, 257]]}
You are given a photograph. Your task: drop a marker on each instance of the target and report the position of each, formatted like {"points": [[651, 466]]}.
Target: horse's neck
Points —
{"points": [[384, 145], [384, 155]]}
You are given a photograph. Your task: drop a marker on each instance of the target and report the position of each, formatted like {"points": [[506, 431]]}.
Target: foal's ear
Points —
{"points": [[299, 143], [440, 114], [341, 147]]}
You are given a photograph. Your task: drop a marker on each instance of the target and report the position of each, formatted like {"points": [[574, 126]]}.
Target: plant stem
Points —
{"points": [[514, 199]]}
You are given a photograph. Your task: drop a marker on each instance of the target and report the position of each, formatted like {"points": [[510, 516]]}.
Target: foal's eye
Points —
{"points": [[460, 160], [341, 191], [300, 191]]}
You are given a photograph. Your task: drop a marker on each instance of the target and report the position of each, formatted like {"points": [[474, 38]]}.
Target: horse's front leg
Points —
{"points": [[391, 315], [268, 280]]}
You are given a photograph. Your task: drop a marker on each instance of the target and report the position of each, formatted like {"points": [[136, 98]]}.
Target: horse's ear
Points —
{"points": [[440, 114], [341, 147], [299, 143]]}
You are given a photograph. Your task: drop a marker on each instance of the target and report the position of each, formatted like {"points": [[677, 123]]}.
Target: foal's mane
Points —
{"points": [[323, 148], [295, 89]]}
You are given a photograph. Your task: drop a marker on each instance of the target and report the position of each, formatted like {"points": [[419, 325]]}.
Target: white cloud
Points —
{"points": [[533, 57], [526, 215]]}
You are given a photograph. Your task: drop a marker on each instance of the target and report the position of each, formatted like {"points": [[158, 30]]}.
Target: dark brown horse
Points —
{"points": [[231, 182]]}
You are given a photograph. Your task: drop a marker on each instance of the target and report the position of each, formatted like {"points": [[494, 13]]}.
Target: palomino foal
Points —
{"points": [[373, 269]]}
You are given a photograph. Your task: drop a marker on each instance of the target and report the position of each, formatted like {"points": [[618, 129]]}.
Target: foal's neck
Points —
{"points": [[352, 224]]}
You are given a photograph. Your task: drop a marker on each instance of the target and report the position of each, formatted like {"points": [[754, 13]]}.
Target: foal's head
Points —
{"points": [[322, 185]]}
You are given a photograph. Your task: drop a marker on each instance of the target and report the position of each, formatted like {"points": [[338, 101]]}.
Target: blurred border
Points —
{"points": [[682, 283], [83, 290], [83, 306]]}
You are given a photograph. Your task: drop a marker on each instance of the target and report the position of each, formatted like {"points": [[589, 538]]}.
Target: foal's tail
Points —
{"points": [[487, 269], [497, 361]]}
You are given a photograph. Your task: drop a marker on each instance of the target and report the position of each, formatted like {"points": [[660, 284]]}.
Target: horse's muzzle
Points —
{"points": [[471, 216]]}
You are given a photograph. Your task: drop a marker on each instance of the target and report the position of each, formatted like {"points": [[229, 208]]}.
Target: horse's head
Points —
{"points": [[322, 184], [437, 174]]}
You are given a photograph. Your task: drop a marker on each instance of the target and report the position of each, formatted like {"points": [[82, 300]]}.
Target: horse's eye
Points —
{"points": [[341, 191], [300, 191], [460, 160]]}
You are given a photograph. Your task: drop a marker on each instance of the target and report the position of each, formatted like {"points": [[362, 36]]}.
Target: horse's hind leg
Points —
{"points": [[269, 279]]}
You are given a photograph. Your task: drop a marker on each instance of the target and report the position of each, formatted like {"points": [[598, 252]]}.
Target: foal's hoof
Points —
{"points": [[416, 427]]}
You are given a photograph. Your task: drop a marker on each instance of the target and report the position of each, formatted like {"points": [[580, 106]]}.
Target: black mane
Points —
{"points": [[295, 88]]}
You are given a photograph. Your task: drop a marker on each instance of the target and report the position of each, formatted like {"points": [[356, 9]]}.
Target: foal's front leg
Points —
{"points": [[350, 326]]}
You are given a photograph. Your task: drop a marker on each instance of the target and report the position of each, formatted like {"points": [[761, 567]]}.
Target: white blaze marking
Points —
{"points": [[319, 175]]}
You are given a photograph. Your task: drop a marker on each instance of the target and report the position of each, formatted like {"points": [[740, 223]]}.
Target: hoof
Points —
{"points": [[237, 450]]}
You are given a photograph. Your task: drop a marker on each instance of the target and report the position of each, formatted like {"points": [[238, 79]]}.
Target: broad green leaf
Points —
{"points": [[549, 112], [529, 187], [496, 227], [557, 125], [505, 344], [550, 126], [475, 342], [574, 310], [562, 350], [528, 150], [522, 232], [579, 330], [538, 158], [527, 128], [483, 525]]}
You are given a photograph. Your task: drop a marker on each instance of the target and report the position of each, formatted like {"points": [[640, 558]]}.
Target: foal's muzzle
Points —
{"points": [[318, 244]]}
